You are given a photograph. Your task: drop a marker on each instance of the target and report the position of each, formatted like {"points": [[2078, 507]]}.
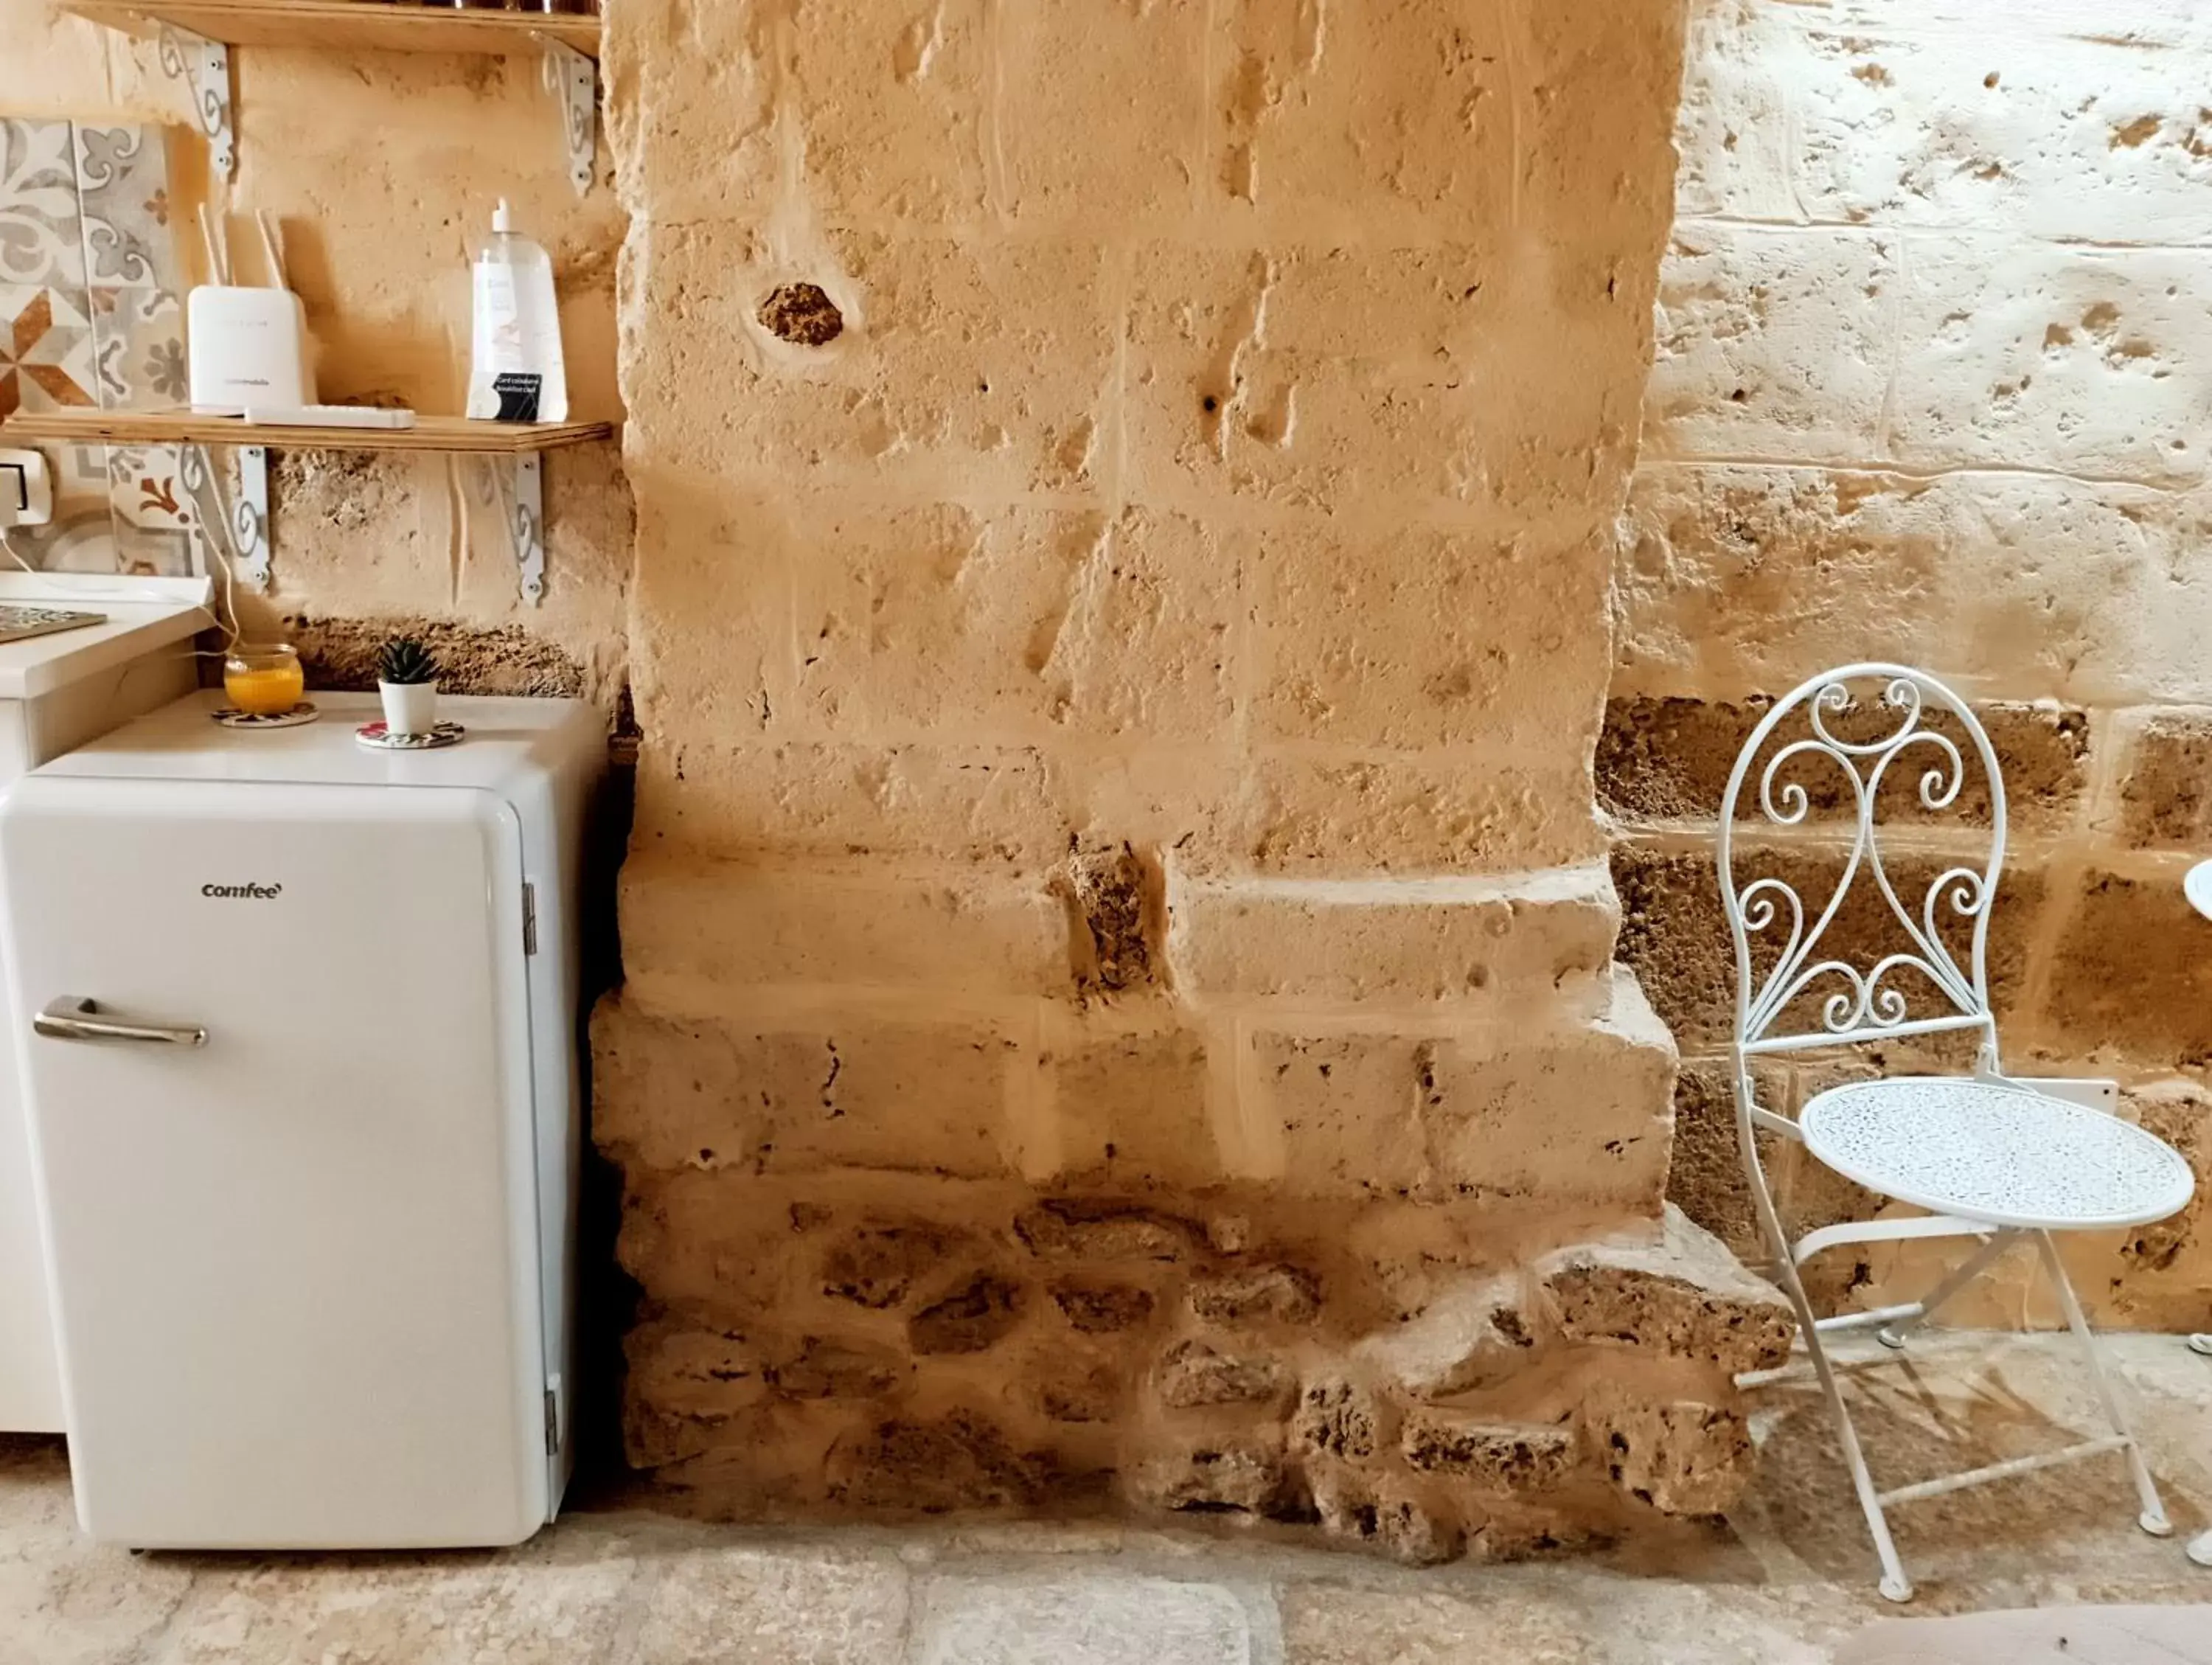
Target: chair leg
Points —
{"points": [[2152, 1519], [1894, 1585], [2200, 1549], [1892, 1335]]}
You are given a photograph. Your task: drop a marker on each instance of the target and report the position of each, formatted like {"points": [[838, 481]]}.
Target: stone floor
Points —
{"points": [[1788, 1580]]}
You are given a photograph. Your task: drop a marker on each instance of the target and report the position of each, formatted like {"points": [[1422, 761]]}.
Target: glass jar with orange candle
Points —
{"points": [[263, 678]]}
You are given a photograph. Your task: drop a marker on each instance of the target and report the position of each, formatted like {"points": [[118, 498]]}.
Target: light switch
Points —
{"points": [[26, 488]]}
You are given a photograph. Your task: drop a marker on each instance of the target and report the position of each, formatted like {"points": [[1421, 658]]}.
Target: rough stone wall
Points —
{"points": [[383, 168], [1121, 1000], [1933, 383]]}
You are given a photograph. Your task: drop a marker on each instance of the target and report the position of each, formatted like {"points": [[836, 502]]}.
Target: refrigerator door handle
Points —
{"points": [[74, 1017]]}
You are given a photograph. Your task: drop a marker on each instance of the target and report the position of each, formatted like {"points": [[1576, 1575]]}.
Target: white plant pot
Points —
{"points": [[409, 707]]}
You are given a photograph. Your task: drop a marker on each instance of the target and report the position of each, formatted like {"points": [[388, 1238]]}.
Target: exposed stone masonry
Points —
{"points": [[1928, 387], [1123, 1007], [1187, 1376]]}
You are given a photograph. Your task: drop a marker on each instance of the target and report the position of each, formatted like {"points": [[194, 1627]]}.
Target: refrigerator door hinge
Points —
{"points": [[552, 1422], [529, 919]]}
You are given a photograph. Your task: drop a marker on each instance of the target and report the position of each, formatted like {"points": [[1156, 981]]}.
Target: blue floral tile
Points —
{"points": [[124, 201], [138, 350], [42, 236]]}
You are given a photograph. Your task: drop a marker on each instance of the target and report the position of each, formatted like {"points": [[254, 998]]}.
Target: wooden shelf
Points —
{"points": [[440, 433], [396, 25]]}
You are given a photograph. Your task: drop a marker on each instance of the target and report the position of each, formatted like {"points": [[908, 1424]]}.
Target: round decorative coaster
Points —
{"points": [[377, 738], [232, 717]]}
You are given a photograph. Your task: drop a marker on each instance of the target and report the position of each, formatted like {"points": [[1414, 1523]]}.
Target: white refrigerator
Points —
{"points": [[58, 692], [297, 1028]]}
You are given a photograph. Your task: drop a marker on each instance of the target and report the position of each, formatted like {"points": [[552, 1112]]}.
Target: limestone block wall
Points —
{"points": [[1121, 1003], [382, 168], [1933, 382]]}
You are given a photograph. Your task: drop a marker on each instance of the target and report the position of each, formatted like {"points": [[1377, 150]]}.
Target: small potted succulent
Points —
{"points": [[407, 680]]}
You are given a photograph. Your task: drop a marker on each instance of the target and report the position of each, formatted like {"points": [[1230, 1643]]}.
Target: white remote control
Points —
{"points": [[329, 416]]}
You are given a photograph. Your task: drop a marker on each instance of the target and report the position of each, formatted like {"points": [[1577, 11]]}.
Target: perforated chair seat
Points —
{"points": [[1980, 1151]]}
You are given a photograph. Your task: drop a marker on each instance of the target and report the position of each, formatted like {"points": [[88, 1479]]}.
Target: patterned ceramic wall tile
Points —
{"points": [[148, 553], [89, 314], [142, 483], [81, 537], [45, 349], [41, 235], [155, 524], [138, 346], [122, 190]]}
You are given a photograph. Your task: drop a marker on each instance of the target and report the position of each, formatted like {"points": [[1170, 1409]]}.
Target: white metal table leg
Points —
{"points": [[2200, 1547], [1892, 1335], [2152, 1519]]}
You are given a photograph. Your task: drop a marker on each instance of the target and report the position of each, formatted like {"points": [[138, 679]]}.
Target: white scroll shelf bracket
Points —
{"points": [[238, 532], [574, 79], [205, 65], [250, 523], [528, 529]]}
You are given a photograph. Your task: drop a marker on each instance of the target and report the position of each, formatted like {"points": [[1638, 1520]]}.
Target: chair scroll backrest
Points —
{"points": [[1863, 733]]}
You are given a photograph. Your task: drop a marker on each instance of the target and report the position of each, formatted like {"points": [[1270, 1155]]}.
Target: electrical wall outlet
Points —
{"points": [[26, 488]]}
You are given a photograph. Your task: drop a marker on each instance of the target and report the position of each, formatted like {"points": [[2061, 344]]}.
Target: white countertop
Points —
{"points": [[143, 615], [506, 738]]}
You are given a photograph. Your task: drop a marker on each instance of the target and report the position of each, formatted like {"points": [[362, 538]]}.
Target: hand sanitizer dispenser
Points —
{"points": [[516, 373]]}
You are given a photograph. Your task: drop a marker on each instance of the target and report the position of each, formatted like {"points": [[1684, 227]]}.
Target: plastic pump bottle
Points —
{"points": [[516, 373]]}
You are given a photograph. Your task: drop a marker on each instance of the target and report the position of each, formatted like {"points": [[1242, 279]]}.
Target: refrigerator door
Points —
{"points": [[81, 704], [30, 1381], [294, 1263]]}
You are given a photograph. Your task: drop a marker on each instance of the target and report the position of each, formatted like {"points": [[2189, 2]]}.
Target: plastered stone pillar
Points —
{"points": [[1117, 927]]}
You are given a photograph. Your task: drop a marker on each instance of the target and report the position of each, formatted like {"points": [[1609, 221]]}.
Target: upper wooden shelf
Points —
{"points": [[443, 434], [398, 25]]}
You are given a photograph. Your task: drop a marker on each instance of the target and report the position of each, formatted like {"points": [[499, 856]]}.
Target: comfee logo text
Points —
{"points": [[256, 892]]}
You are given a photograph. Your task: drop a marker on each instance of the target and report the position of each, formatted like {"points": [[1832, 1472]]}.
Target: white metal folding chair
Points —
{"points": [[1985, 1156]]}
